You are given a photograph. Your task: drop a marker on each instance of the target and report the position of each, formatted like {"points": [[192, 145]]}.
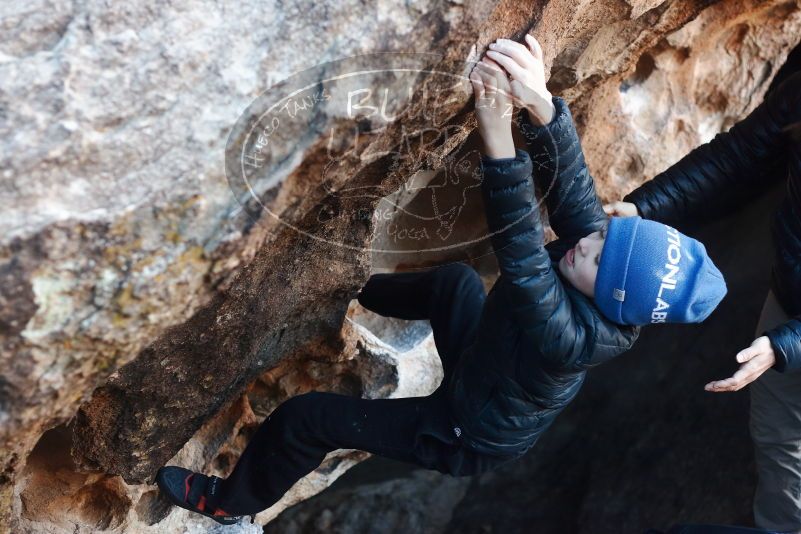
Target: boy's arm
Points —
{"points": [[561, 174], [714, 175], [534, 293]]}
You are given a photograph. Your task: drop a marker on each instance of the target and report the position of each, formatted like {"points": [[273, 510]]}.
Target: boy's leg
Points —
{"points": [[450, 296], [295, 438], [776, 431]]}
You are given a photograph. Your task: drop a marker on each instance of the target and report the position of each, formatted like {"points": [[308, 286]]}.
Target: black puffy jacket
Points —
{"points": [[742, 159], [537, 334]]}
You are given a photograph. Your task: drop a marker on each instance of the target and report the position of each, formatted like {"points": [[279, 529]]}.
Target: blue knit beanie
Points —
{"points": [[652, 273]]}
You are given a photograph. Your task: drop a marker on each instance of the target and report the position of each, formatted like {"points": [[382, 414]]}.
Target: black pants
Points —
{"points": [[295, 438]]}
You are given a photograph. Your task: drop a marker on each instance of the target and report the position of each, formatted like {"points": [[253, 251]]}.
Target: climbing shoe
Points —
{"points": [[188, 490]]}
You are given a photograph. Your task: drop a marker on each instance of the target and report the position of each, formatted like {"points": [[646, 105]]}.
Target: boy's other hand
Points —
{"points": [[754, 360], [527, 71], [620, 209], [493, 108]]}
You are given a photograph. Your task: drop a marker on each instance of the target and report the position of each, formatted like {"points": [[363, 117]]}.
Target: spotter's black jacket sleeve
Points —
{"points": [[786, 342], [713, 176]]}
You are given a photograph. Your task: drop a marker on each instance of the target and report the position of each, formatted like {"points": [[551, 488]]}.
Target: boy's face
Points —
{"points": [[580, 264]]}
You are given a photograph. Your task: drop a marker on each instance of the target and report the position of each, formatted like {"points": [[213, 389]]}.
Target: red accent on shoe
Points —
{"points": [[220, 511], [201, 504], [186, 485]]}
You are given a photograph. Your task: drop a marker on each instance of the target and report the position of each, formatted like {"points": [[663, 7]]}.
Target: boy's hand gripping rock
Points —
{"points": [[493, 108], [527, 71]]}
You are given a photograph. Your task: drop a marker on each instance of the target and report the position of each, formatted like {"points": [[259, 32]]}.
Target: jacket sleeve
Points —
{"points": [[714, 176], [786, 342], [563, 325], [561, 174], [536, 299]]}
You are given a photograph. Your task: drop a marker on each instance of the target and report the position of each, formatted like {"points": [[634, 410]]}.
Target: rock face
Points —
{"points": [[154, 306]]}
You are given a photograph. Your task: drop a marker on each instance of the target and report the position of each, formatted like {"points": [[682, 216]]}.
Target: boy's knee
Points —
{"points": [[463, 275], [294, 410]]}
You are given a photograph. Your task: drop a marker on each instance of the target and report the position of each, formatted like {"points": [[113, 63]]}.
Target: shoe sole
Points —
{"points": [[165, 490]]}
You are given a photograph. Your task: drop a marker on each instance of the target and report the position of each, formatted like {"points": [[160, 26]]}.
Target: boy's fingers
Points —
{"points": [[518, 52], [478, 85], [502, 81], [491, 66], [487, 77], [499, 75], [534, 45], [484, 68], [511, 66]]}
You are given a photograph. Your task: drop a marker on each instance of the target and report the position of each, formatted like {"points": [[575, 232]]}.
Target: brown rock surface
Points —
{"points": [[141, 303]]}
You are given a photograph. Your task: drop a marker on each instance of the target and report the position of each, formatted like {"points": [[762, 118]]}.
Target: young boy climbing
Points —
{"points": [[513, 358]]}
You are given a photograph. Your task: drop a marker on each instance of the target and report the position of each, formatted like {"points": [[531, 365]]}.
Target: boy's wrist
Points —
{"points": [[542, 112], [499, 146]]}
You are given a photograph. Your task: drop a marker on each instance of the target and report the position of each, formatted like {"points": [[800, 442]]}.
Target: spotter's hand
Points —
{"points": [[754, 360]]}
